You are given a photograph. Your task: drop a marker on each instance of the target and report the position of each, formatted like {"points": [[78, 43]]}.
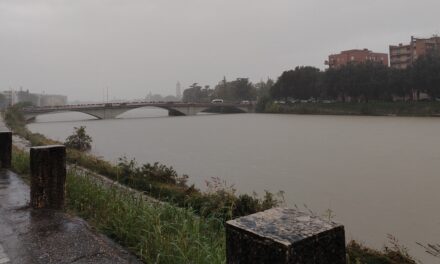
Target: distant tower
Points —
{"points": [[149, 96], [178, 91]]}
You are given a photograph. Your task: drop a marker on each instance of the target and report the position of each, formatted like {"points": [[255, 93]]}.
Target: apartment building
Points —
{"points": [[356, 56], [12, 97], [404, 55]]}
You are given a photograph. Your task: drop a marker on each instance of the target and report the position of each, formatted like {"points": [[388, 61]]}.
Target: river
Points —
{"points": [[378, 175]]}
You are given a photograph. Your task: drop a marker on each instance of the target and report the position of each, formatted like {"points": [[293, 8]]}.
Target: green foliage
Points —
{"points": [[238, 90], [15, 121], [79, 140], [395, 254], [263, 88], [301, 83], [131, 173], [20, 161], [426, 74], [262, 103], [362, 82], [162, 182], [196, 93], [157, 233]]}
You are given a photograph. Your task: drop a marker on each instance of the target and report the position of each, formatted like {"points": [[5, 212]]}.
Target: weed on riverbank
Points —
{"points": [[393, 254], [157, 233], [20, 161]]}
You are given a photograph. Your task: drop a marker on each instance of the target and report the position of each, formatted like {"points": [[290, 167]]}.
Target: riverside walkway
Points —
{"points": [[47, 236]]}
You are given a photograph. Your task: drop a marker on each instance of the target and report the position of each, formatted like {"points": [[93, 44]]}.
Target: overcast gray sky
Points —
{"points": [[79, 47]]}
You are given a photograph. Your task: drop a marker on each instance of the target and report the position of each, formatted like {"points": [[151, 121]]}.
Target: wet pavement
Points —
{"points": [[44, 236], [2, 126]]}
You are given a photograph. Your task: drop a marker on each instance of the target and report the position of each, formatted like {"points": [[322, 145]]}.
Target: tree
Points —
{"points": [[242, 89], [79, 139], [300, 83], [282, 87], [195, 93], [399, 83], [263, 88], [358, 81], [426, 74], [238, 90]]}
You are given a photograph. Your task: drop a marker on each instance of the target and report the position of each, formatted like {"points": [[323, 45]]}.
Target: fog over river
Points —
{"points": [[379, 175]]}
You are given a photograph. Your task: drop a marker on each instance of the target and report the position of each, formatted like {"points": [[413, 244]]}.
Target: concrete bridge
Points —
{"points": [[112, 110]]}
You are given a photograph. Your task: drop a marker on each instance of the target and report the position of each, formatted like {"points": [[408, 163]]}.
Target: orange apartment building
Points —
{"points": [[356, 56], [404, 55]]}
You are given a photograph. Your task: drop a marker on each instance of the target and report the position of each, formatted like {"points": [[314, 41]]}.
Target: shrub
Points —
{"points": [[79, 140], [157, 233]]}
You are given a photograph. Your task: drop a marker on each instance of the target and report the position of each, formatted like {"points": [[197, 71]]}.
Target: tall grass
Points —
{"points": [[157, 233], [20, 161]]}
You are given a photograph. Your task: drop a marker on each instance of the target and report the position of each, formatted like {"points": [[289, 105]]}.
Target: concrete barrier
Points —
{"points": [[282, 235], [48, 176], [5, 149]]}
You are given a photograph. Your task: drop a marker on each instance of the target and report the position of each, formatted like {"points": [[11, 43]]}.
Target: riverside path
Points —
{"points": [[45, 236]]}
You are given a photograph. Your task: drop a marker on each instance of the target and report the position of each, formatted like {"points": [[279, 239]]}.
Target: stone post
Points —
{"points": [[48, 177], [282, 235], [5, 149]]}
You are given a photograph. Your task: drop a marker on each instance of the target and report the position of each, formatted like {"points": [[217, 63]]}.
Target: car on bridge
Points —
{"points": [[217, 101]]}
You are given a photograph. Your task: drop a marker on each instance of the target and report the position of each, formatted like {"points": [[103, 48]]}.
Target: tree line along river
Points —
{"points": [[378, 175]]}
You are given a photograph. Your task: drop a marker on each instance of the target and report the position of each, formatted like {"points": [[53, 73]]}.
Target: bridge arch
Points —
{"points": [[31, 117]]}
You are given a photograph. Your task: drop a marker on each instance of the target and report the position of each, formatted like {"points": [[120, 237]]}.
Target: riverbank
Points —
{"points": [[66, 239], [366, 109], [355, 251], [157, 180], [156, 232]]}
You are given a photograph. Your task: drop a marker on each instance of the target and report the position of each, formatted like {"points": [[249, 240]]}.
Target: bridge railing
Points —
{"points": [[128, 104]]}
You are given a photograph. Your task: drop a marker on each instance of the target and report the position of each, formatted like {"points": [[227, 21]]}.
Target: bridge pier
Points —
{"points": [[172, 112]]}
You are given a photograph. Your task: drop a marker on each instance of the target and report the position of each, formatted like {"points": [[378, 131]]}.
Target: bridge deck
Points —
{"points": [[112, 110], [132, 105]]}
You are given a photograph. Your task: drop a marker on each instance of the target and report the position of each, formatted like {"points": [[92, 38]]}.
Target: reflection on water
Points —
{"points": [[379, 175]]}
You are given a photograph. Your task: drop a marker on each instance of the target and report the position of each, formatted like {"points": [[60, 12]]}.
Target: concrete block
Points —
{"points": [[48, 176], [282, 235], [5, 149]]}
